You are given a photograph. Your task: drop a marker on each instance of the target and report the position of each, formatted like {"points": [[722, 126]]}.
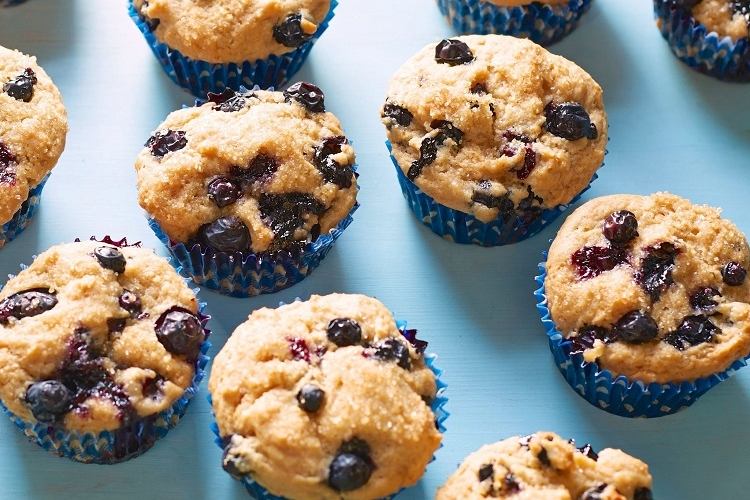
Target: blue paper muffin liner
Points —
{"points": [[701, 49], [245, 274], [11, 3], [615, 394], [461, 227], [200, 77], [542, 23], [22, 218], [110, 447], [438, 408]]}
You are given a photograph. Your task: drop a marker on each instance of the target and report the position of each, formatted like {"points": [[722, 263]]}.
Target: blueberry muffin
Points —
{"points": [[325, 399], [708, 35], [33, 127], [651, 287], [97, 338], [543, 465], [255, 29], [495, 126]]}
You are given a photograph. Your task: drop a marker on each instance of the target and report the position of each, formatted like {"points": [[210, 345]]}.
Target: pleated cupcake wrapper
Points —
{"points": [[460, 227], [240, 274], [131, 440], [22, 218], [615, 394], [701, 49], [543, 24], [438, 408], [200, 77], [11, 3]]}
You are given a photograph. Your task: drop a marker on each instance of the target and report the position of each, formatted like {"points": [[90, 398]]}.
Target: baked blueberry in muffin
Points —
{"points": [[325, 399], [543, 465], [251, 172], [99, 337], [651, 287]]}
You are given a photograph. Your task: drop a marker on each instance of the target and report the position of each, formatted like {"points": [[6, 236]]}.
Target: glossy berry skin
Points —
{"points": [[400, 115], [260, 169], [693, 331], [703, 299], [26, 304], [344, 332], [226, 234], [21, 88], [307, 94], [130, 302], [48, 400], [166, 141], [587, 337], [620, 227], [180, 332], [224, 191], [590, 262], [352, 466], [733, 274], [310, 398], [636, 327], [453, 52], [7, 165], [340, 175], [110, 258], [227, 101], [569, 120], [655, 273], [289, 32], [393, 350]]}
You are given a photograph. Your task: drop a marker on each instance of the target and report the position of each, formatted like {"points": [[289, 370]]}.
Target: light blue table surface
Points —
{"points": [[670, 128]]}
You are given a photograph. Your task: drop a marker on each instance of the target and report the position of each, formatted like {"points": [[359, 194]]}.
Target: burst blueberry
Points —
{"points": [[569, 120], [655, 273], [591, 261], [694, 330], [21, 88], [400, 115], [166, 141], [8, 163], [393, 350], [704, 298], [307, 94], [26, 304], [110, 258], [340, 175], [290, 33]]}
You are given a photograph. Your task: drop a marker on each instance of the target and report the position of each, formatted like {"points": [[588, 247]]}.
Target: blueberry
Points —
{"points": [[503, 203], [226, 234], [485, 472], [587, 337], [510, 484], [48, 400], [733, 273], [110, 258], [393, 350], [223, 191], [400, 115], [229, 462], [636, 327], [289, 32], [285, 213], [299, 349], [26, 304], [307, 94], [310, 398], [529, 162], [116, 325], [410, 334], [344, 332], [130, 302], [180, 332], [703, 298], [227, 101], [447, 131], [352, 466], [570, 121], [8, 163], [260, 169], [594, 493], [166, 141], [544, 457], [655, 274], [620, 227], [643, 493], [693, 331], [453, 52], [427, 154], [588, 451], [21, 88], [590, 262], [340, 175]]}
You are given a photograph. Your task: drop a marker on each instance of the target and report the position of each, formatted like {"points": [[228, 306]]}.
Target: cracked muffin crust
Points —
{"points": [[251, 172], [651, 287], [33, 127], [543, 465], [325, 399], [490, 125], [93, 336], [233, 31]]}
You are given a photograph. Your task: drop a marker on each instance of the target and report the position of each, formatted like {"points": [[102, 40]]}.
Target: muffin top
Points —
{"points": [[325, 399], [543, 465], [492, 125], [93, 336], [651, 287], [224, 31], [726, 17], [257, 171], [33, 126]]}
